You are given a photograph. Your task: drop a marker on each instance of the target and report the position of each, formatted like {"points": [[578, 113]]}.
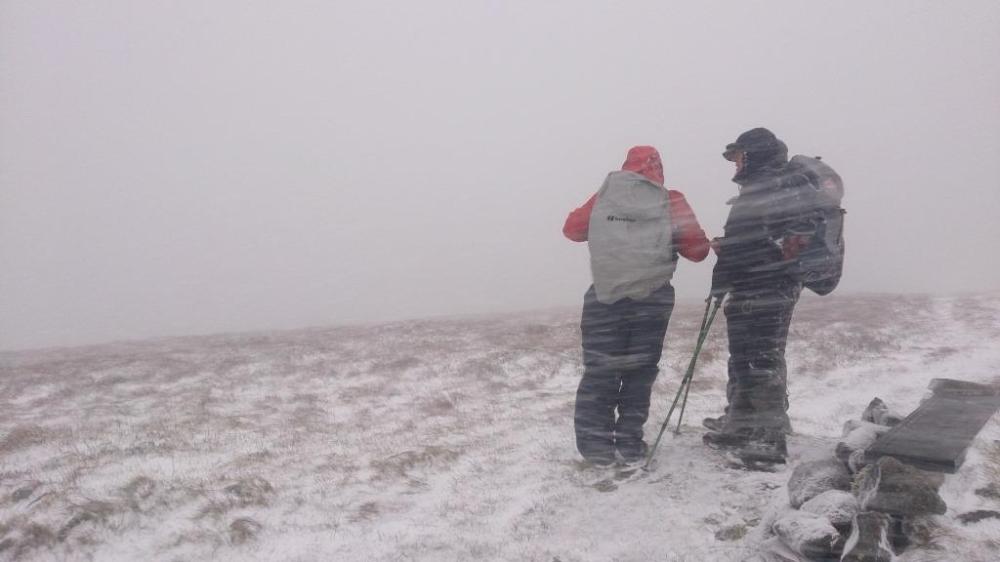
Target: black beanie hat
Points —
{"points": [[754, 141], [762, 149]]}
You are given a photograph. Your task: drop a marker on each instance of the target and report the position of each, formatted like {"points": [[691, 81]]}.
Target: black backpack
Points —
{"points": [[821, 263]]}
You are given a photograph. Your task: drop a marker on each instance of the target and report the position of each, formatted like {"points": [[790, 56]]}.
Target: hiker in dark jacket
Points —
{"points": [[636, 229], [763, 235]]}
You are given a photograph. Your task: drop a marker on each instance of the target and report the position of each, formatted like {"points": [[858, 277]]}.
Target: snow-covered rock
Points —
{"points": [[879, 413], [890, 486], [837, 506], [809, 535], [773, 550], [857, 461], [812, 478], [862, 435], [851, 425]]}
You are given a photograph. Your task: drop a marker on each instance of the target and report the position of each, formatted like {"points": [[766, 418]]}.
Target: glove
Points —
{"points": [[715, 244], [792, 245], [719, 288]]}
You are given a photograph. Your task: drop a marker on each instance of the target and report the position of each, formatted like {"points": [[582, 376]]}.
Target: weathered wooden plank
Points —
{"points": [[937, 434]]}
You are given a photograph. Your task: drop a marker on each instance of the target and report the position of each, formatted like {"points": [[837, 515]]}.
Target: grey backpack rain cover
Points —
{"points": [[630, 238], [820, 265]]}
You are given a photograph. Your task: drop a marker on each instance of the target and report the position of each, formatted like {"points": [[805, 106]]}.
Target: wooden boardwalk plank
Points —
{"points": [[937, 434]]}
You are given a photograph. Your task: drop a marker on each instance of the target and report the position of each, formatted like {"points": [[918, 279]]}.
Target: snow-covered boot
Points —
{"points": [[634, 454], [727, 440], [765, 446], [719, 424], [751, 445], [715, 424]]}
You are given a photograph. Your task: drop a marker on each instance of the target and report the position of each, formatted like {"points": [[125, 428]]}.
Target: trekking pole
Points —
{"points": [[705, 325], [685, 379], [694, 359]]}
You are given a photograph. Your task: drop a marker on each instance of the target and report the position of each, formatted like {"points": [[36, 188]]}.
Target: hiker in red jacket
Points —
{"points": [[636, 229]]}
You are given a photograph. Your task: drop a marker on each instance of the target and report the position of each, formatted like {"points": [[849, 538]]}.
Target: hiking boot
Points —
{"points": [[715, 424], [727, 439], [767, 446], [751, 445], [719, 424], [636, 454]]}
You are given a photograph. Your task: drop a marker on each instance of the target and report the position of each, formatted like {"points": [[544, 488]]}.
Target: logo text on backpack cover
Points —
{"points": [[613, 218]]}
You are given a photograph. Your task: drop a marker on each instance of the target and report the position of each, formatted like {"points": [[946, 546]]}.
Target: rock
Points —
{"points": [[876, 410], [851, 425], [731, 533], [809, 535], [897, 533], [891, 419], [138, 493], [978, 515], [938, 434], [858, 437], [92, 512], [991, 490], [24, 492], [243, 529], [250, 491], [810, 479], [890, 486], [857, 461], [878, 413], [919, 530], [837, 506], [869, 539], [773, 550]]}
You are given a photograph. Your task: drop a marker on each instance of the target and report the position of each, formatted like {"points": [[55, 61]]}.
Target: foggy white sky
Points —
{"points": [[193, 167]]}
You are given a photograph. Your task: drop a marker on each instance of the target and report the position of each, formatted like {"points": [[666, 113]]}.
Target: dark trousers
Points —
{"points": [[758, 321], [622, 343]]}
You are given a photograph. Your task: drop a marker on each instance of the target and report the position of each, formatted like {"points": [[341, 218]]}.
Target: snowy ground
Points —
{"points": [[443, 440]]}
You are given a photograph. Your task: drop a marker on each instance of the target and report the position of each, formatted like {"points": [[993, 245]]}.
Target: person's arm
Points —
{"points": [[722, 273], [689, 237], [578, 222]]}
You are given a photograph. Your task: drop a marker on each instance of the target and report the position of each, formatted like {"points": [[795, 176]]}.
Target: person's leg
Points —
{"points": [[758, 323], [647, 328], [765, 383], [738, 311], [737, 328], [757, 419], [603, 338]]}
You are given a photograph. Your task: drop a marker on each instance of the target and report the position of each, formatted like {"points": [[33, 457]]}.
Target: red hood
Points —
{"points": [[645, 160]]}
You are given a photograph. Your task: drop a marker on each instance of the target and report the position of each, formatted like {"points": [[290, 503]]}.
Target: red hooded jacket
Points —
{"points": [[689, 238]]}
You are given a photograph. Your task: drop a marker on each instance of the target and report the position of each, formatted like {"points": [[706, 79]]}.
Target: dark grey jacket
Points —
{"points": [[769, 208]]}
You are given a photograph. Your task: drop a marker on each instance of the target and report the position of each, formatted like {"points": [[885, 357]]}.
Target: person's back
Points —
{"points": [[630, 241], [636, 229]]}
